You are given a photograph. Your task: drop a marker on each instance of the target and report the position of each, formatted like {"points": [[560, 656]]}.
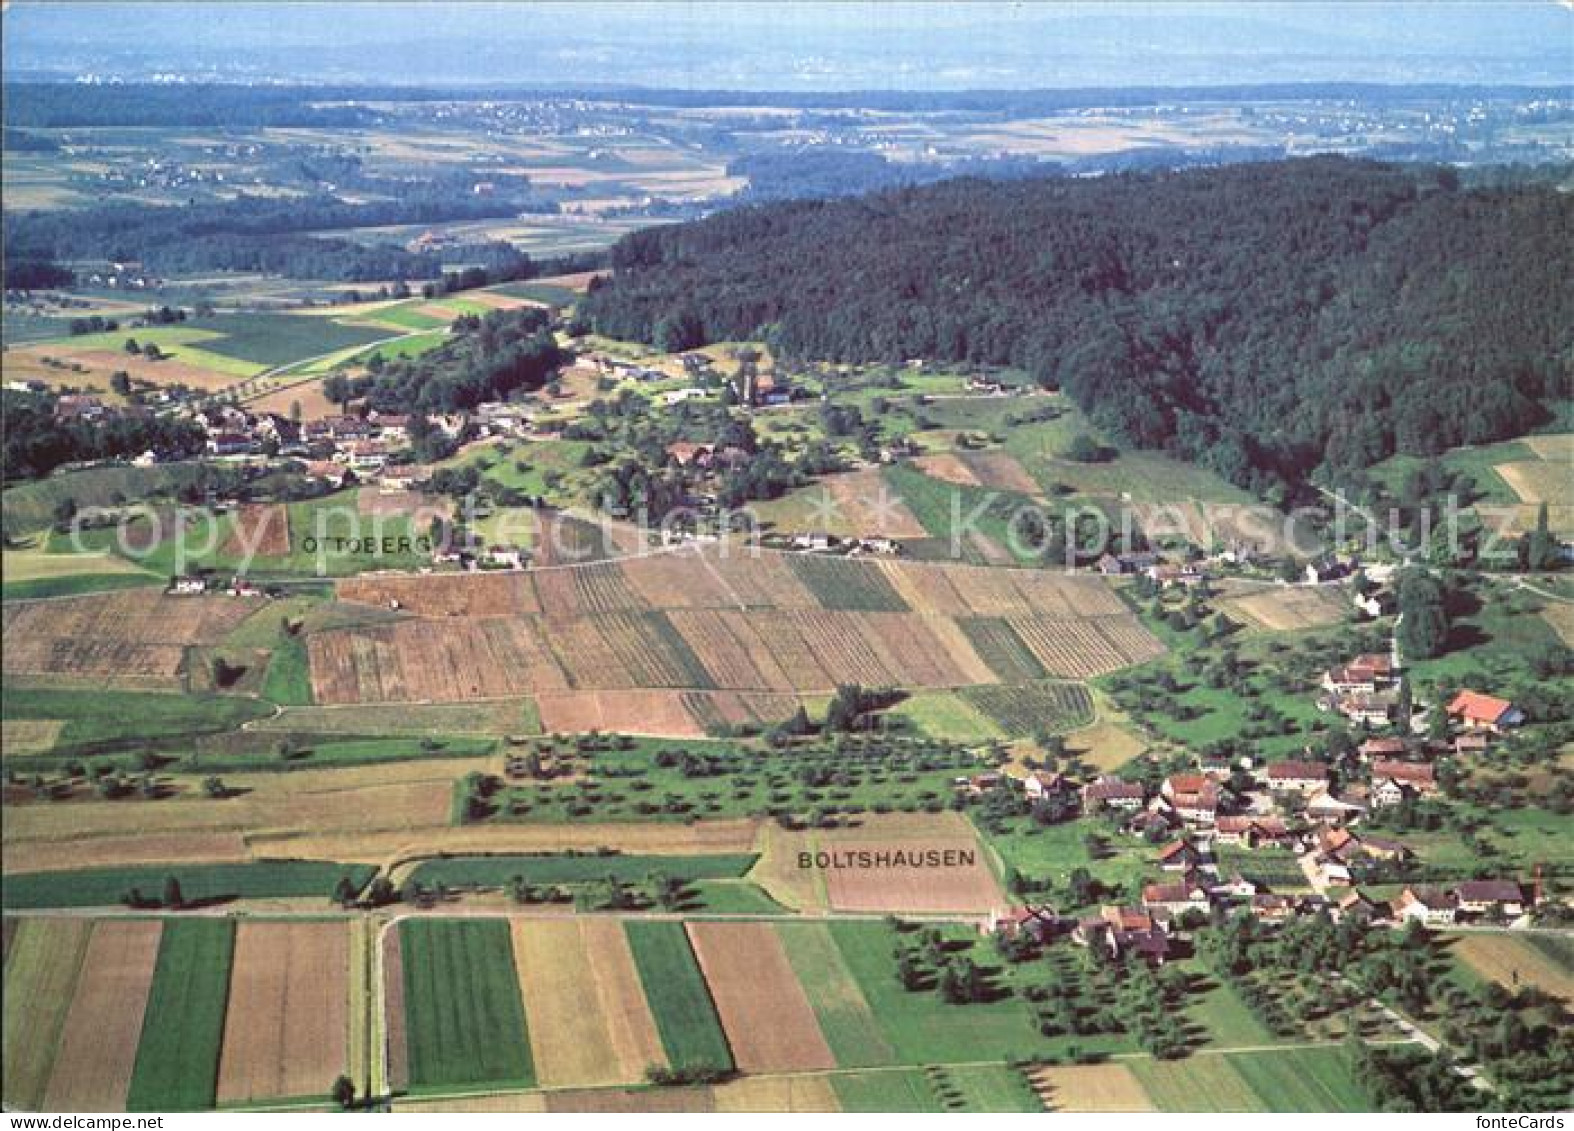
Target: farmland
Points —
{"points": [[822, 623], [685, 1012], [177, 1063], [287, 1023], [464, 1023]]}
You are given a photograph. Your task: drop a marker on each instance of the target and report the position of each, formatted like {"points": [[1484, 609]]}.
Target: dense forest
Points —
{"points": [[255, 234], [487, 359], [1259, 319]]}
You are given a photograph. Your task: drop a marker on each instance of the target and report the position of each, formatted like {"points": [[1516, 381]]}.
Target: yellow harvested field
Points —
{"points": [[617, 1101], [1105, 745], [1285, 607], [28, 736], [1539, 481], [572, 1040], [1557, 448], [1089, 1087], [776, 1094], [40, 978], [61, 851], [33, 564], [507, 1102], [657, 713], [98, 1049], [1560, 615], [1512, 962], [286, 1031], [769, 1022], [948, 467]]}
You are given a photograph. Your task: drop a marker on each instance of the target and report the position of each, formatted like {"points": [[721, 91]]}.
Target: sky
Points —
{"points": [[852, 45]]}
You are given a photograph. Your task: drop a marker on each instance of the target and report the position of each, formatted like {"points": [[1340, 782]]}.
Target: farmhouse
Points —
{"points": [[1299, 777], [687, 454], [1357, 906], [1328, 808], [1432, 906], [1194, 798], [1039, 784], [1179, 856], [1490, 897], [1475, 743], [1384, 748], [1168, 576], [187, 586], [1392, 782], [1373, 710], [1176, 898], [1122, 931], [1251, 832], [1366, 674], [1112, 793], [1271, 908], [1477, 711], [1115, 565], [1236, 887], [1037, 922], [1324, 570]]}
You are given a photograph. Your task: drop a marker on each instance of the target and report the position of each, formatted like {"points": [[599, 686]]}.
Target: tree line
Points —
{"points": [[1261, 320]]}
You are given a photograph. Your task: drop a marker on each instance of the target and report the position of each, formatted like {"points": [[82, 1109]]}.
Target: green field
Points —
{"points": [[277, 339], [916, 1025], [75, 585], [945, 715], [902, 1089], [1303, 1080], [495, 871], [118, 720], [680, 1001], [1295, 1080], [985, 1088], [177, 1064], [31, 506], [464, 1020], [199, 883], [844, 1015], [260, 750], [288, 682]]}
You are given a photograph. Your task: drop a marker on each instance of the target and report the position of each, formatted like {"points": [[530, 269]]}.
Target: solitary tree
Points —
{"points": [[172, 894], [344, 1092]]}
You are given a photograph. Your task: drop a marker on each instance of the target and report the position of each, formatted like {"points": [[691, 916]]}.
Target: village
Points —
{"points": [[1309, 811]]}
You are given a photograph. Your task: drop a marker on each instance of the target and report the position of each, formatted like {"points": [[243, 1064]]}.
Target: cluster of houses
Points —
{"points": [[1144, 563], [1365, 690], [1292, 807], [195, 585]]}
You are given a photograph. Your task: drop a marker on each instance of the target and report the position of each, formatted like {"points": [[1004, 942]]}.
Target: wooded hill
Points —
{"points": [[1258, 319]]}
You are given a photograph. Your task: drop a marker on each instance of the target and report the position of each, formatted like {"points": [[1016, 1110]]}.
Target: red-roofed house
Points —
{"points": [[1477, 711], [1179, 856], [1176, 899], [1250, 831], [1366, 674], [1302, 777]]}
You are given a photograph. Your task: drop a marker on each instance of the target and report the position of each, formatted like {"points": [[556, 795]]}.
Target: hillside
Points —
{"points": [[1257, 319]]}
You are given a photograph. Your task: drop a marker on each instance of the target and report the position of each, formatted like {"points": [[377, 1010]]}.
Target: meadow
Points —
{"points": [[178, 1058]]}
